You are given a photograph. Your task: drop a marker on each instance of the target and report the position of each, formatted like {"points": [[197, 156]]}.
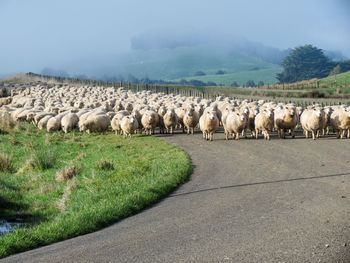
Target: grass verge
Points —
{"points": [[65, 185]]}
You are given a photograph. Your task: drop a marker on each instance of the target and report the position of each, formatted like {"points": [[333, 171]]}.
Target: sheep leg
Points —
{"points": [[267, 135], [318, 134], [338, 134], [226, 136], [256, 134], [192, 130], [348, 136], [327, 130], [188, 130], [306, 134], [342, 134], [237, 135], [211, 135], [292, 133], [313, 135], [252, 133]]}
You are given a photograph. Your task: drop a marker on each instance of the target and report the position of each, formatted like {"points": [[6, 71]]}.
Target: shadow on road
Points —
{"points": [[261, 183]]}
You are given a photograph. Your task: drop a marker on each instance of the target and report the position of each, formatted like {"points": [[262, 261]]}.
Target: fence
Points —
{"points": [[183, 90]]}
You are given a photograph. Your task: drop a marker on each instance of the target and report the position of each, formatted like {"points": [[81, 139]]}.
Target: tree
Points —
{"points": [[220, 72], [305, 62], [261, 83], [211, 83], [335, 71], [132, 79], [250, 83], [145, 80], [234, 84], [345, 66], [199, 73]]}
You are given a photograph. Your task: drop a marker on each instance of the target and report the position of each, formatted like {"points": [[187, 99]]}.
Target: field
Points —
{"points": [[267, 75], [107, 178]]}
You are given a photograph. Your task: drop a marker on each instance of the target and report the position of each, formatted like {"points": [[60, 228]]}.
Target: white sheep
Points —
{"points": [[236, 123], [264, 122], [128, 125], [170, 120], [69, 122], [340, 121], [150, 121], [286, 118], [208, 123], [311, 121], [96, 123], [190, 120]]}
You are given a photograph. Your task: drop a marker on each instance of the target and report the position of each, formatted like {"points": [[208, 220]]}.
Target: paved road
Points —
{"points": [[247, 201]]}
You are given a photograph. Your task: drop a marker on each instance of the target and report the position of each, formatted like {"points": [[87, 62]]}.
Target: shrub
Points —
{"points": [[104, 165], [6, 163], [44, 159], [199, 73], [67, 173], [6, 122], [220, 72]]}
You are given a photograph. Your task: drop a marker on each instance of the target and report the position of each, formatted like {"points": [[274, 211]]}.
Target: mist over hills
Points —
{"points": [[182, 56]]}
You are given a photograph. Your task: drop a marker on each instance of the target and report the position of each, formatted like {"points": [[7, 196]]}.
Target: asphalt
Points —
{"points": [[247, 201]]}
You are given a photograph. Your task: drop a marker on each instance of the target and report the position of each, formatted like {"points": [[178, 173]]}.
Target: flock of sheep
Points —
{"points": [[96, 109]]}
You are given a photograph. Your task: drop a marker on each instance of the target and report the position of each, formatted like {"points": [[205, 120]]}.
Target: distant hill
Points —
{"points": [[267, 75], [175, 57], [184, 62]]}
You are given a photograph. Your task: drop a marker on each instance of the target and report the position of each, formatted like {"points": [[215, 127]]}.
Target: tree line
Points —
{"points": [[308, 62]]}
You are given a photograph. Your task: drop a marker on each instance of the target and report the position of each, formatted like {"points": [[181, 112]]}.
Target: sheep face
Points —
{"points": [[162, 111], [190, 111], [211, 115]]}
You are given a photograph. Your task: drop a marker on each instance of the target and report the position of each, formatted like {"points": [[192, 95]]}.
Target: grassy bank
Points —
{"points": [[64, 185]]}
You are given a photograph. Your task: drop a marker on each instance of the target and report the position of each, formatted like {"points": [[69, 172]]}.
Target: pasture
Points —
{"points": [[112, 178]]}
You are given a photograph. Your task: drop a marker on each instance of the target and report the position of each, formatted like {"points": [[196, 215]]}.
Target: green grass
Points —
{"points": [[268, 75], [341, 79], [113, 178]]}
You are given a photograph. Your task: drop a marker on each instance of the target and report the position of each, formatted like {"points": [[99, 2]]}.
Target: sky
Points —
{"points": [[38, 33]]}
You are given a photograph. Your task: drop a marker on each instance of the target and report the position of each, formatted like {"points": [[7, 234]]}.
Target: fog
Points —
{"points": [[83, 35]]}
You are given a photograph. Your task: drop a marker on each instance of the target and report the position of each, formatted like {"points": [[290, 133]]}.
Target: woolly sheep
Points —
{"points": [[208, 123], [128, 125], [69, 122], [170, 120], [286, 118], [190, 120], [236, 123], [340, 121], [96, 123], [311, 120], [149, 121], [264, 122], [115, 122]]}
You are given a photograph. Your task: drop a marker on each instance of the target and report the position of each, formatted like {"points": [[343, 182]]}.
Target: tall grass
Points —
{"points": [[43, 159], [6, 164]]}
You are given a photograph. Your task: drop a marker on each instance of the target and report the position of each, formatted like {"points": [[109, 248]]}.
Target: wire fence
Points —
{"points": [[189, 91]]}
